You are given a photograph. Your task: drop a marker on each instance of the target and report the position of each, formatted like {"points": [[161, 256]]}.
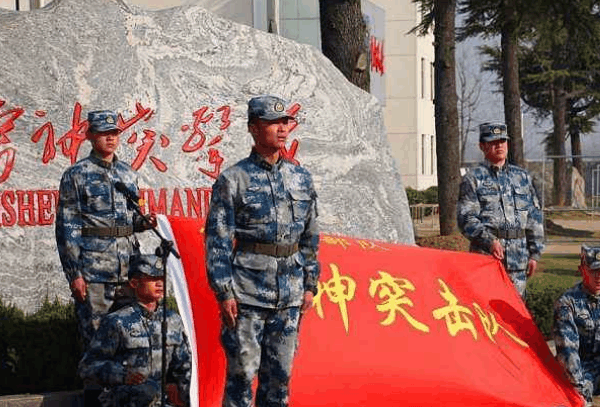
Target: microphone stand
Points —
{"points": [[166, 247]]}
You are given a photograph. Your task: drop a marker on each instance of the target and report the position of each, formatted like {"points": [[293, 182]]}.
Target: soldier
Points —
{"points": [[498, 210], [95, 224], [261, 258], [576, 326], [125, 356]]}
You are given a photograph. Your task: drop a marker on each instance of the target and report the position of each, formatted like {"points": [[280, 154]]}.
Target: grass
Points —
{"points": [[559, 264]]}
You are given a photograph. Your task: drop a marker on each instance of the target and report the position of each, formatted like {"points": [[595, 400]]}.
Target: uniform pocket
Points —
{"points": [[300, 204], [97, 196], [522, 198], [256, 207]]}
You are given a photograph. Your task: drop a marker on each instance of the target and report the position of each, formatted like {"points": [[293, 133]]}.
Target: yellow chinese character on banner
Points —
{"points": [[370, 245], [491, 326], [335, 240], [456, 316], [339, 290], [394, 291]]}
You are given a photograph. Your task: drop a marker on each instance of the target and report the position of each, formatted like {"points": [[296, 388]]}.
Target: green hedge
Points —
{"points": [[428, 196], [542, 291], [39, 352]]}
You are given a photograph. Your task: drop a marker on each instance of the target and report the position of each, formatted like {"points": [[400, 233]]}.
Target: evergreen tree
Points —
{"points": [[510, 19], [344, 39], [440, 14], [560, 73]]}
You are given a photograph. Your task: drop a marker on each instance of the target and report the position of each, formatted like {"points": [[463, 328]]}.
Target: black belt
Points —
{"points": [[270, 249], [509, 233], [110, 231]]}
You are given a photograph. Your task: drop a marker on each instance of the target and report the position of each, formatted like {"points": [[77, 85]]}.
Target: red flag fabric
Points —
{"points": [[393, 325]]}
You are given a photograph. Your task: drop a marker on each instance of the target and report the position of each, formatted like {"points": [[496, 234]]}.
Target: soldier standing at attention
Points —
{"points": [[498, 210], [261, 258], [125, 356], [576, 326], [95, 225]]}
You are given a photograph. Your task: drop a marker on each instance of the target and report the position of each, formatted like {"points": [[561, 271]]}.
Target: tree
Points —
{"points": [[509, 19], [441, 15], [469, 93], [344, 39], [560, 77]]}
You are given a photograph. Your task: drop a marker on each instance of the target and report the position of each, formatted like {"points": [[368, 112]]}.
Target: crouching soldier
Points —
{"points": [[576, 330], [125, 355]]}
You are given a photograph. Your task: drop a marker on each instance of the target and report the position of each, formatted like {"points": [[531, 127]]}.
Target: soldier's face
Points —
{"points": [[271, 134], [148, 289], [495, 151], [105, 144], [591, 278]]}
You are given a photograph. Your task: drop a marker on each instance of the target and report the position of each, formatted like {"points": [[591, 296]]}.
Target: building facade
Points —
{"points": [[402, 69]]}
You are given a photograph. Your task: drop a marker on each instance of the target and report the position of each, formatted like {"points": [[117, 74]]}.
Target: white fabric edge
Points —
{"points": [[176, 275]]}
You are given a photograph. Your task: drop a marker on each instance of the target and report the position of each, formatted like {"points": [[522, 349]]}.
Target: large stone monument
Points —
{"points": [[180, 78]]}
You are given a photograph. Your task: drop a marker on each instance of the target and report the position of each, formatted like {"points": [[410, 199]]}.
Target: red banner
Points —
{"points": [[395, 325]]}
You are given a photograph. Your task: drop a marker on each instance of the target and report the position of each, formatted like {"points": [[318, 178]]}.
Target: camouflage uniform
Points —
{"points": [[88, 202], [576, 329], [502, 203], [256, 202], [576, 333], [130, 340]]}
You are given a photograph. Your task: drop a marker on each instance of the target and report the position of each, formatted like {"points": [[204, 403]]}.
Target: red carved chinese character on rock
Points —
{"points": [[197, 140], [7, 124]]}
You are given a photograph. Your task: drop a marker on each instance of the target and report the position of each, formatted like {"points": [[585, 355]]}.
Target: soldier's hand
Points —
{"points": [[135, 378], [229, 310], [497, 250], [79, 289], [307, 301], [150, 221], [531, 268]]}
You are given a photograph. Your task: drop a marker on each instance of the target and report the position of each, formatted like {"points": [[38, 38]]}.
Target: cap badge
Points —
{"points": [[158, 263], [497, 130], [110, 120], [598, 256], [278, 107]]}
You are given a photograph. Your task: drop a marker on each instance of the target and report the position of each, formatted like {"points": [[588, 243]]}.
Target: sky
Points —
{"points": [[490, 107]]}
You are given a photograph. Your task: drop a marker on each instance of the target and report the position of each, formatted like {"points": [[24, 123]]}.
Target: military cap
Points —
{"points": [[267, 107], [492, 132], [101, 121], [147, 264], [591, 256]]}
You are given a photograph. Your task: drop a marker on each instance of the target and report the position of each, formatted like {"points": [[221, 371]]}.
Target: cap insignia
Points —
{"points": [[158, 263], [110, 120], [598, 256], [278, 107], [497, 130]]}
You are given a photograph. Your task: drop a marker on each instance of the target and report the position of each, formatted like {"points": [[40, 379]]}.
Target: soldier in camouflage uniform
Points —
{"points": [[261, 258], [125, 356], [95, 224], [576, 330], [498, 209]]}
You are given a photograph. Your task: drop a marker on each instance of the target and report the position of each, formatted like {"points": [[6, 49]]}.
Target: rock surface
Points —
{"points": [[180, 77]]}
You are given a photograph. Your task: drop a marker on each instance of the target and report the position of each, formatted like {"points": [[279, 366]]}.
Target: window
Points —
{"points": [[423, 152], [432, 80], [422, 78], [433, 155]]}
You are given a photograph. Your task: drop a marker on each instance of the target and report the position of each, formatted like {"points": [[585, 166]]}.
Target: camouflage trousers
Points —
{"points": [[141, 395], [98, 302], [519, 280], [264, 342], [591, 379]]}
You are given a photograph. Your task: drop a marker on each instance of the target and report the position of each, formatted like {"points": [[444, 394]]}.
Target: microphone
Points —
{"points": [[130, 195]]}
